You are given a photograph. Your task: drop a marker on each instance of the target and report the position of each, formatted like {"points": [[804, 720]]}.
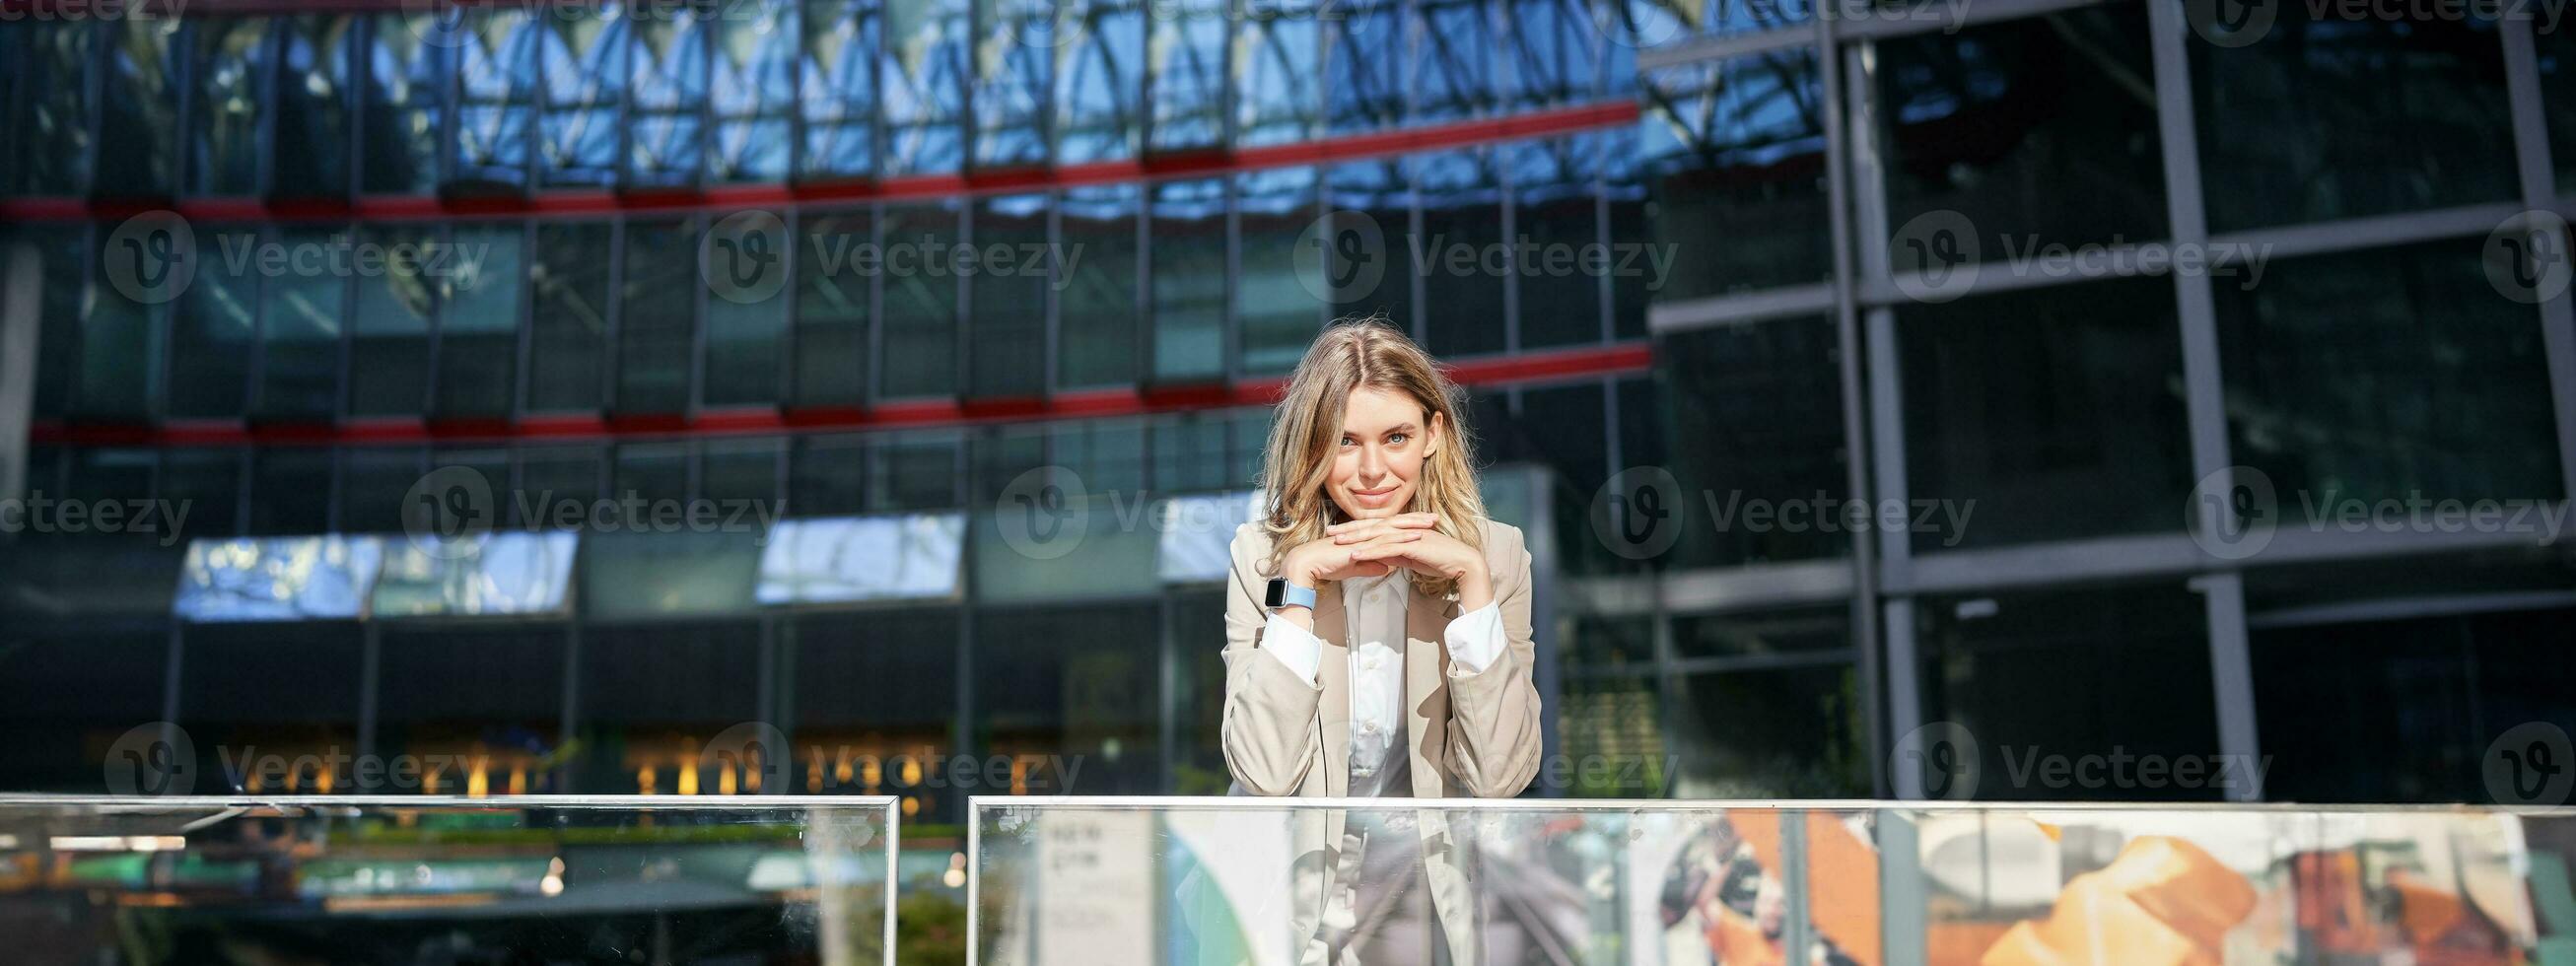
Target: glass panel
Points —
{"points": [[1198, 699], [1567, 429], [277, 579], [1188, 278], [1750, 417], [2044, 414], [478, 325], [1071, 690], [232, 60], [1554, 53], [1278, 97], [139, 141], [925, 85], [2394, 374], [2555, 44], [2064, 675], [2039, 131], [1363, 278], [657, 309], [1461, 256], [837, 93], [47, 134], [1278, 308], [500, 573], [61, 271], [834, 560], [628, 573], [1453, 49], [2336, 117], [914, 471], [651, 472], [1014, 271], [1187, 57], [1364, 87], [410, 57], [1731, 168], [569, 332], [740, 475], [1014, 75], [1198, 534], [667, 92], [1045, 540], [826, 475], [743, 266], [389, 348], [295, 469], [142, 268], [837, 265], [300, 331], [313, 106], [1613, 725], [752, 90], [1097, 308], [654, 697], [473, 732], [496, 97], [1793, 732], [290, 691], [200, 493], [550, 478], [920, 325], [583, 53], [218, 322], [1557, 258], [374, 482], [886, 741], [65, 693], [1100, 80], [1764, 635], [1189, 453]]}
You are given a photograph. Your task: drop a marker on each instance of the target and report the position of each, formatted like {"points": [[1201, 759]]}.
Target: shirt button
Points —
{"points": [[1370, 727]]}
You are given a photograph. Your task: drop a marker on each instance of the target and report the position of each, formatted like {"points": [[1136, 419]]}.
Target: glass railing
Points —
{"points": [[443, 881]]}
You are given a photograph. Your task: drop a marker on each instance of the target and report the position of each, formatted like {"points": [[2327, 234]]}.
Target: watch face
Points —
{"points": [[1278, 594]]}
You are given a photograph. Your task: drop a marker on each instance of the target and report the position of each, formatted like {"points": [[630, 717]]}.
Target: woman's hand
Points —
{"points": [[1409, 541], [1310, 564]]}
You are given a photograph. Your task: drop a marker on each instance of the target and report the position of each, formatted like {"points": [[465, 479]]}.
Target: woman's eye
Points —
{"points": [[1399, 438]]}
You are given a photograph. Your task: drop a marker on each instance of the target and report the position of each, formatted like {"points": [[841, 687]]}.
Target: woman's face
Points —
{"points": [[1378, 463]]}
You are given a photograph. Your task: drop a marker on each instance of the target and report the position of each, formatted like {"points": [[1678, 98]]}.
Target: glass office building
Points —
{"points": [[1816, 442]]}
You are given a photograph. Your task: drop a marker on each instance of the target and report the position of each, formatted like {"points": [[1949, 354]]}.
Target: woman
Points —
{"points": [[1377, 635]]}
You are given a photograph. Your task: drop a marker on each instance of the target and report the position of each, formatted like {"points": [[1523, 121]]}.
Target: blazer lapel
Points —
{"points": [[1334, 675], [1426, 666]]}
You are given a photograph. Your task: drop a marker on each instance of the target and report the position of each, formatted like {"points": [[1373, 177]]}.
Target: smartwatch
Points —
{"points": [[1285, 594]]}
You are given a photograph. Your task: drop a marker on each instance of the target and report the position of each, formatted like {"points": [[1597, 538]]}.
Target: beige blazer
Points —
{"points": [[1470, 736]]}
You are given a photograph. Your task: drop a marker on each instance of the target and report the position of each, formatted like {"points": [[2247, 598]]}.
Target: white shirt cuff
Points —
{"points": [[1475, 640], [1294, 646]]}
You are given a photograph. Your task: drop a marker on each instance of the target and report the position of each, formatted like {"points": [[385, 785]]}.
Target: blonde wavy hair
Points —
{"points": [[1306, 429]]}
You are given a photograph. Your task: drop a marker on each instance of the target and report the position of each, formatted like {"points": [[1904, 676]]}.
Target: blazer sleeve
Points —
{"points": [[1494, 745], [1268, 729]]}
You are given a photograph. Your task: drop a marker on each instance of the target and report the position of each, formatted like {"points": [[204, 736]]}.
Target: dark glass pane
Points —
{"points": [[651, 471], [2387, 374], [112, 475], [405, 117], [583, 53], [1752, 417], [437, 699], [1248, 433], [1763, 635], [389, 347], [744, 267], [2556, 48], [1100, 81], [2038, 131], [858, 740], [1074, 681], [63, 694], [312, 152], [1729, 188], [914, 472], [656, 309], [1189, 454], [925, 90], [47, 134], [2068, 674], [1460, 257], [300, 331], [1363, 196], [835, 271], [374, 481], [1278, 90], [217, 323], [1567, 429], [651, 697], [920, 326], [1008, 293], [1098, 310], [1188, 278], [1108, 455], [1788, 733], [1278, 311], [285, 690], [1187, 55], [205, 485], [61, 268], [827, 476], [1613, 725], [1611, 643], [2044, 414], [569, 278], [1557, 258], [1364, 87], [740, 477], [838, 88], [751, 90], [231, 59], [1452, 48], [290, 491], [2319, 119], [478, 324], [139, 134], [1198, 698], [496, 108], [125, 331], [549, 479]]}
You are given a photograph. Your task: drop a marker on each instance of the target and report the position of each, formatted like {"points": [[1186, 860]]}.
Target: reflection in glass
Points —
{"points": [[46, 134], [1008, 292], [920, 324], [232, 61], [314, 75], [2044, 414], [2343, 118], [1453, 47], [829, 366], [405, 116], [751, 90], [667, 92], [1097, 304], [139, 127], [1014, 79], [1733, 172], [1461, 253], [216, 325], [925, 81], [843, 559], [1099, 80], [1275, 308], [277, 578], [746, 326], [478, 321], [300, 327], [837, 93], [656, 313], [568, 328], [1198, 534], [1553, 53], [1189, 279], [1186, 55], [1277, 95], [389, 343], [496, 94], [582, 53], [1364, 86], [489, 574], [632, 573], [1752, 417]]}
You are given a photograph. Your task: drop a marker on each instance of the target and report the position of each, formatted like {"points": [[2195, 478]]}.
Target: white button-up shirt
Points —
{"points": [[1374, 607]]}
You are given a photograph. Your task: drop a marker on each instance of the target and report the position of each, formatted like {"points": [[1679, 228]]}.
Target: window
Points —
{"points": [[1188, 276], [1099, 314], [1013, 277], [300, 332], [232, 60], [217, 324], [836, 271], [656, 312], [1732, 157], [1461, 257], [389, 346], [569, 328], [1750, 419], [478, 320], [1279, 311], [921, 282]]}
